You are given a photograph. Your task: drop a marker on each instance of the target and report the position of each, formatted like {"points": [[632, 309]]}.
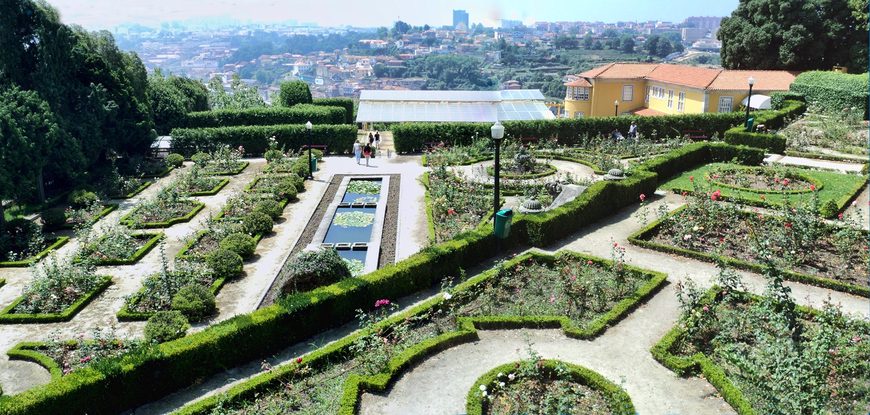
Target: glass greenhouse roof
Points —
{"points": [[445, 106]]}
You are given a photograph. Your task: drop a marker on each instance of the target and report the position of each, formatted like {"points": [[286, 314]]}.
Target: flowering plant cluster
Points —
{"points": [[56, 285]]}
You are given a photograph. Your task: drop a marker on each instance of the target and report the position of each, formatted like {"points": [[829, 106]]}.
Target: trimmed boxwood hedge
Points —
{"points": [[297, 114], [618, 400], [772, 142], [126, 219], [7, 317], [138, 190], [834, 91], [125, 314], [338, 138], [124, 382], [640, 238], [214, 190], [29, 351], [154, 238], [467, 332], [346, 103], [107, 208], [26, 262]]}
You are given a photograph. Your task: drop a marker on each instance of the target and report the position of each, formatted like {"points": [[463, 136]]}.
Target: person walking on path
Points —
{"points": [[357, 151], [377, 139], [367, 152], [632, 131], [371, 139]]}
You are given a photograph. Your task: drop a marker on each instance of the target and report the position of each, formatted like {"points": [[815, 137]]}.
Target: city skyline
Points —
{"points": [[106, 14]]}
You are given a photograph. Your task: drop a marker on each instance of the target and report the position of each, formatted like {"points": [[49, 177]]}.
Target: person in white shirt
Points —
{"points": [[357, 151], [632, 131]]}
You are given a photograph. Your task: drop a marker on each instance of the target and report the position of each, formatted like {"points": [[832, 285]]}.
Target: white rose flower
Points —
{"points": [[501, 384], [695, 228], [447, 296], [483, 387], [511, 376], [499, 375]]}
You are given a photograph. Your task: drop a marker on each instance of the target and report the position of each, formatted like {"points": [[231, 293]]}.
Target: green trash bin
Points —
{"points": [[314, 164], [503, 223], [749, 124]]}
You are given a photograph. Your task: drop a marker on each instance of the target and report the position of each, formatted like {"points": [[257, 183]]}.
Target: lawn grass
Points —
{"points": [[838, 187]]}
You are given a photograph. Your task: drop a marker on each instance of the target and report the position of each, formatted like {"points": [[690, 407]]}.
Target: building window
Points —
{"points": [[579, 93], [578, 114], [681, 102], [648, 92], [627, 92], [670, 98], [724, 104]]}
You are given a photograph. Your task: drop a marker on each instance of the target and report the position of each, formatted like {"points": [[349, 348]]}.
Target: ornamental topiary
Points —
{"points": [[256, 223], [240, 243], [82, 198], [194, 301], [270, 207], [165, 326], [224, 263], [285, 188], [294, 92], [174, 160], [298, 181], [310, 269]]}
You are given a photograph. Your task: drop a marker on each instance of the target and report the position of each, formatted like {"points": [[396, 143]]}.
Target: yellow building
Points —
{"points": [[659, 89]]}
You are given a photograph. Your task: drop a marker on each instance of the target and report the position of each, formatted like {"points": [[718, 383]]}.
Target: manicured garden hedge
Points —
{"points": [[410, 137], [772, 142], [346, 103], [297, 114], [128, 221], [121, 383], [26, 262], [618, 400], [7, 317], [778, 98], [255, 139], [154, 238], [834, 91]]}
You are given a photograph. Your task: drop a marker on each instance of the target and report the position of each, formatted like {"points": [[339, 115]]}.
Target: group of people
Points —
{"points": [[367, 150], [632, 132]]}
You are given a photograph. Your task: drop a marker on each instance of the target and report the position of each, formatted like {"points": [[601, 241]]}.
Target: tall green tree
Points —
{"points": [[795, 35], [295, 92], [171, 98], [28, 130], [240, 96], [628, 44]]}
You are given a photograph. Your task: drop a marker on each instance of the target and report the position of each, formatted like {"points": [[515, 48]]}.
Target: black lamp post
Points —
{"points": [[616, 108], [309, 126], [497, 131], [749, 101]]}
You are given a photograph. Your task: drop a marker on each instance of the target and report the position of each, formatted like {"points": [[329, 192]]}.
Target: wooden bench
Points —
{"points": [[695, 134], [321, 147]]}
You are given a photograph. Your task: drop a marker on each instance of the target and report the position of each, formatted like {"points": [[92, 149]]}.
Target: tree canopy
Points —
{"points": [[171, 98], [795, 35]]}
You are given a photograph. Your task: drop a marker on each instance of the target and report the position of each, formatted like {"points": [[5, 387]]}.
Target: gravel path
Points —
{"points": [[842, 166]]}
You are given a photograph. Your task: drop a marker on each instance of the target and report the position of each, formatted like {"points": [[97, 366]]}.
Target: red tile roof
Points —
{"points": [[620, 71], [764, 80], [579, 82], [647, 112], [691, 76]]}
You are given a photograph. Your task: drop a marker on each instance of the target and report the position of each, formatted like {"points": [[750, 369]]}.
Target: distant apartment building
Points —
{"points": [[511, 24], [709, 23], [660, 89], [692, 34], [460, 20]]}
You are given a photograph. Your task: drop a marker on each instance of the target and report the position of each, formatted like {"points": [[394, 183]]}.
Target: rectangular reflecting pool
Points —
{"points": [[362, 191]]}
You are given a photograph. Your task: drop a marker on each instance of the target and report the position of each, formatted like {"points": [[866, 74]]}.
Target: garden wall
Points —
{"points": [[118, 384], [833, 91], [339, 138], [297, 114]]}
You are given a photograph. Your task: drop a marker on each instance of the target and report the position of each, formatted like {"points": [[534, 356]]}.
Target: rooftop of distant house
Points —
{"points": [[689, 76]]}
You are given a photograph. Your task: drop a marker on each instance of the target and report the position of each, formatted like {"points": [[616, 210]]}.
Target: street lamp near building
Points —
{"points": [[616, 108], [309, 126], [751, 81], [497, 133]]}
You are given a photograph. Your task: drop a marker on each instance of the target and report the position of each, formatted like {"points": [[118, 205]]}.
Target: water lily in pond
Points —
{"points": [[355, 219], [369, 187], [355, 266]]}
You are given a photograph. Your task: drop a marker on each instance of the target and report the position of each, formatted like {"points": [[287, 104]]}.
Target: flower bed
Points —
{"points": [[371, 359], [49, 246], [162, 214], [767, 186], [158, 290], [280, 187], [203, 186], [59, 290], [539, 170], [454, 205], [766, 355], [129, 187], [224, 169], [813, 252], [120, 248], [61, 357], [537, 386], [240, 205]]}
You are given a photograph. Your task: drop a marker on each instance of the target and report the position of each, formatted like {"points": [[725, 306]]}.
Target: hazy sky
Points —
{"points": [[105, 14]]}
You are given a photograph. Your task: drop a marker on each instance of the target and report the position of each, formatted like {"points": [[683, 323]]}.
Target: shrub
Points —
{"points": [[829, 209], [194, 301], [165, 326], [174, 160], [299, 182], [273, 155], [778, 98], [298, 114], [270, 207], [224, 263], [294, 92], [242, 244], [285, 188], [775, 143], [21, 237], [345, 103], [82, 198], [200, 158], [53, 218], [256, 223], [310, 269], [833, 91], [255, 139]]}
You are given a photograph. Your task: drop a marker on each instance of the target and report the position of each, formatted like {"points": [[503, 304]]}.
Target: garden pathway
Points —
{"points": [[842, 166], [477, 173]]}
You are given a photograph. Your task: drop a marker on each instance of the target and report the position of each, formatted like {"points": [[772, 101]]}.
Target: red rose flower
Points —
{"points": [[642, 197]]}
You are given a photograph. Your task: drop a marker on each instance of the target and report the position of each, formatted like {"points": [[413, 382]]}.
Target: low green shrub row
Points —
{"points": [[29, 351], [121, 383], [618, 400], [128, 221], [338, 138], [778, 98], [26, 262], [214, 190], [411, 137], [7, 317], [834, 91], [297, 114], [155, 238], [346, 103], [771, 142], [641, 238]]}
